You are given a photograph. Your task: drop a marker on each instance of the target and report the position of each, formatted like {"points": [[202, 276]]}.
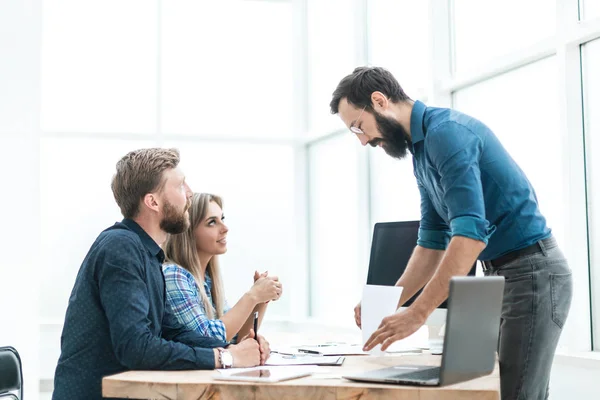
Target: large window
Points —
{"points": [[214, 79], [408, 59], [591, 90], [394, 192], [485, 30], [76, 204], [98, 73], [226, 68], [589, 9], [337, 262], [333, 41]]}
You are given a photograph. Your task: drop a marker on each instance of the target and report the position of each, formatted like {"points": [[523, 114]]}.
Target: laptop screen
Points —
{"points": [[392, 246]]}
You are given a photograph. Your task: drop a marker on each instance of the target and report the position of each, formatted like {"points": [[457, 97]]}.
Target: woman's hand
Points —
{"points": [[266, 289], [257, 276], [265, 274]]}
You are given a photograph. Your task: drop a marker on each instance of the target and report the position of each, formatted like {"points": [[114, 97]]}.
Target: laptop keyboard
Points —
{"points": [[423, 375]]}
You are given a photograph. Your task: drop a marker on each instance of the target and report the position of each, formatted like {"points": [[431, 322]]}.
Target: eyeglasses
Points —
{"points": [[355, 129]]}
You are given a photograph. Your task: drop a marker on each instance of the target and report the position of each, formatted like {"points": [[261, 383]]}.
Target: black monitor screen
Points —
{"points": [[392, 246]]}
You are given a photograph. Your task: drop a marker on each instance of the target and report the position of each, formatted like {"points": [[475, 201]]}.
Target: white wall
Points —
{"points": [[19, 233], [574, 378]]}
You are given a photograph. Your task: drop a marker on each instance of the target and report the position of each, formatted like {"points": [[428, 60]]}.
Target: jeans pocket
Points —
{"points": [[519, 293], [561, 287]]}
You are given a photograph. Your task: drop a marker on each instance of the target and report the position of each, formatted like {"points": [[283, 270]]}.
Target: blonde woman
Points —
{"points": [[193, 280]]}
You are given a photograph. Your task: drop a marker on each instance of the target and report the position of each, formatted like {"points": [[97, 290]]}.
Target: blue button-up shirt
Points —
{"points": [[118, 318], [470, 186]]}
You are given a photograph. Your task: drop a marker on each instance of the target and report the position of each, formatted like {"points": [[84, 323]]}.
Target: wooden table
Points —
{"points": [[199, 385]]}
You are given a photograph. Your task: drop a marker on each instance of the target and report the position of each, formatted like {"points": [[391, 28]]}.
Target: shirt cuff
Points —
{"points": [[472, 227], [205, 358], [436, 240], [219, 330]]}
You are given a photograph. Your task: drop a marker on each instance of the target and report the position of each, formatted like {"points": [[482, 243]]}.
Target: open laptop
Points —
{"points": [[471, 338]]}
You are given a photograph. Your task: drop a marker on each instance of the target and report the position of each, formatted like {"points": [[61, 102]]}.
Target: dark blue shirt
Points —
{"points": [[118, 318], [470, 186]]}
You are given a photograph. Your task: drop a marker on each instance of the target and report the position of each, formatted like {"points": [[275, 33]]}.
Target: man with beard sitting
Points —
{"points": [[117, 318]]}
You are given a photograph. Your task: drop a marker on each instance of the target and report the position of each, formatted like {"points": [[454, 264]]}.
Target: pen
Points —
{"points": [[283, 353], [256, 325], [309, 351]]}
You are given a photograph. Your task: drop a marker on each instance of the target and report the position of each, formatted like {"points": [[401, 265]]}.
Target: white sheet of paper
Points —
{"points": [[337, 349], [301, 359], [377, 302], [303, 368]]}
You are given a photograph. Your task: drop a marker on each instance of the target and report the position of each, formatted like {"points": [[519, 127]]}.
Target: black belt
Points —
{"points": [[513, 255]]}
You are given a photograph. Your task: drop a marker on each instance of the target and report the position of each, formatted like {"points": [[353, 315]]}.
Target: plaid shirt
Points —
{"points": [[186, 303]]}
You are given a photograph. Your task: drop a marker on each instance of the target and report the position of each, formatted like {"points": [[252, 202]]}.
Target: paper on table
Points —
{"points": [[377, 302], [303, 359]]}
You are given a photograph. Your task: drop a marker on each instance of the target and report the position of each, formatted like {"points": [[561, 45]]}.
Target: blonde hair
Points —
{"points": [[140, 172], [181, 250]]}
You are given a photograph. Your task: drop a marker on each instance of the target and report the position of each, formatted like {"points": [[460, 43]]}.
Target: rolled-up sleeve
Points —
{"points": [[434, 233], [455, 152]]}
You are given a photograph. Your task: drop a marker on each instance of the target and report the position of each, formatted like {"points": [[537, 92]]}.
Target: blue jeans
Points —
{"points": [[537, 298]]}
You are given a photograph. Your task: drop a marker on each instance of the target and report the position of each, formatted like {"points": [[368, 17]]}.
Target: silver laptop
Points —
{"points": [[470, 341]]}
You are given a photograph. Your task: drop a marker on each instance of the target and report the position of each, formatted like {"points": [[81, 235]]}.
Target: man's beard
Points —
{"points": [[173, 221], [395, 140]]}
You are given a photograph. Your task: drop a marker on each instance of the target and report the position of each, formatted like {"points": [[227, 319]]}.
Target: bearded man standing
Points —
{"points": [[476, 203]]}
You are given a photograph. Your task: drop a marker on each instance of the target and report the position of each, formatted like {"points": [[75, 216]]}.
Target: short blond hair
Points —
{"points": [[138, 173]]}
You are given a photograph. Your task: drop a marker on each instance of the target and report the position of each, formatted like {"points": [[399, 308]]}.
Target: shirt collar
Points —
{"points": [[417, 117], [148, 242]]}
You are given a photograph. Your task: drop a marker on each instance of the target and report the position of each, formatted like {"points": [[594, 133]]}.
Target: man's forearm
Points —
{"points": [[458, 260], [418, 272]]}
